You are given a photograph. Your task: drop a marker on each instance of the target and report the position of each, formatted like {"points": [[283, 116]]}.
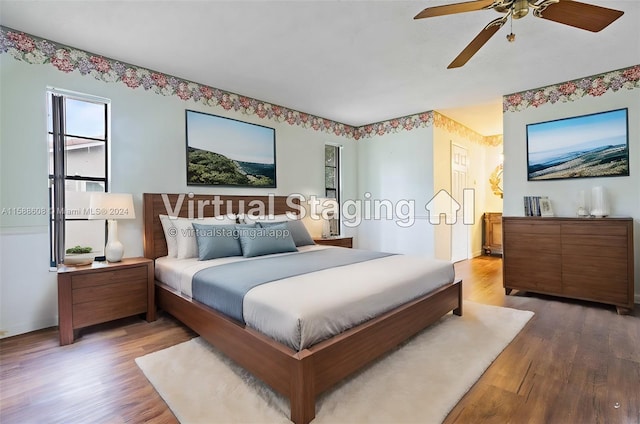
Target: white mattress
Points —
{"points": [[303, 310]]}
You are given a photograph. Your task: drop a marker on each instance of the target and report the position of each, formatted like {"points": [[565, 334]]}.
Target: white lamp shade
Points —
{"points": [[111, 206]]}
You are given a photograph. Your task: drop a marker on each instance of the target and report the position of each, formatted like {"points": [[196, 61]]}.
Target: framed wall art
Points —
{"points": [[227, 152], [595, 145]]}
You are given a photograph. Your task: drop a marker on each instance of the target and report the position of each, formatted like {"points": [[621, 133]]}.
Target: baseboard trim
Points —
{"points": [[27, 327], [476, 254]]}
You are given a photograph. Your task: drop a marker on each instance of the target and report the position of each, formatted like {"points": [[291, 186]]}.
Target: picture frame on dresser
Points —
{"points": [[545, 207]]}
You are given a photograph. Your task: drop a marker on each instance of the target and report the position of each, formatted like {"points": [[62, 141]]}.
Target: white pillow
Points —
{"points": [[186, 235], [169, 236], [254, 219]]}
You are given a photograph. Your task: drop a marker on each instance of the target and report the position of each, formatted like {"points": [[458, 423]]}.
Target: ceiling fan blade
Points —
{"points": [[580, 15], [477, 43], [450, 9]]}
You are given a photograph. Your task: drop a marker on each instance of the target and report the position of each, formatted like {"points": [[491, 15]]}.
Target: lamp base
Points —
{"points": [[326, 228], [114, 250]]}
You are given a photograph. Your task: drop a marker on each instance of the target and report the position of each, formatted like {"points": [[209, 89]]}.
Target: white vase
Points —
{"points": [[599, 204], [583, 208]]}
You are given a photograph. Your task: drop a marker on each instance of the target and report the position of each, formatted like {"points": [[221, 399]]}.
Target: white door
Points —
{"points": [[459, 230]]}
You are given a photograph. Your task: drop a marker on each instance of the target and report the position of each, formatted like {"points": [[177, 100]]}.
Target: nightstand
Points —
{"points": [[336, 241], [103, 291]]}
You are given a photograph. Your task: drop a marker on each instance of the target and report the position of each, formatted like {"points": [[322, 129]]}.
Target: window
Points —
{"points": [[77, 141], [332, 182]]}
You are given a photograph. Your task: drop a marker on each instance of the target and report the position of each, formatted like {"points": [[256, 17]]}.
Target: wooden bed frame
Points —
{"points": [[299, 376]]}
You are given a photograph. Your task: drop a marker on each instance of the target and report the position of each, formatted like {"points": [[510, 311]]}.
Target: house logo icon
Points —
{"points": [[443, 203]]}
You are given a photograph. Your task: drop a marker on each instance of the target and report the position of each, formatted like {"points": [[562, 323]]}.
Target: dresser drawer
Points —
{"points": [[597, 228]]}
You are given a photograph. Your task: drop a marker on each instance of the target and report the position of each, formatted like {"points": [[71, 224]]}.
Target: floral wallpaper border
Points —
{"points": [[34, 50], [423, 120], [38, 51], [441, 121], [595, 86]]}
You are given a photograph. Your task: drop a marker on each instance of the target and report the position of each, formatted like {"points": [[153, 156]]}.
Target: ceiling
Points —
{"points": [[355, 62]]}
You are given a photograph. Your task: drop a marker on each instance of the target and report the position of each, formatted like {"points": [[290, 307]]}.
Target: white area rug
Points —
{"points": [[419, 382]]}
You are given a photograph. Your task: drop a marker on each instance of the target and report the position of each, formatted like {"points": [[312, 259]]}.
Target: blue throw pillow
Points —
{"points": [[298, 231], [260, 241], [217, 241]]}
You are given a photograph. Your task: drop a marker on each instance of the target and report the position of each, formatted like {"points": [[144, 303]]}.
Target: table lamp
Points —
{"points": [[112, 207], [326, 209]]}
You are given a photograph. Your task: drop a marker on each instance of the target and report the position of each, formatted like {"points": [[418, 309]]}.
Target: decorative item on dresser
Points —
{"points": [[581, 258], [104, 292], [335, 241], [492, 234]]}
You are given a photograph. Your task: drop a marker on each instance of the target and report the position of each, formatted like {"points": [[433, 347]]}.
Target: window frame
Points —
{"points": [[336, 226], [57, 177]]}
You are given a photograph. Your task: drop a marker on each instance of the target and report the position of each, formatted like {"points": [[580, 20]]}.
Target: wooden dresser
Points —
{"points": [[581, 258]]}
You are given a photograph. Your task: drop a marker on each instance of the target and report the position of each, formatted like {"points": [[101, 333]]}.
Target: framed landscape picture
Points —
{"points": [[595, 145], [226, 152]]}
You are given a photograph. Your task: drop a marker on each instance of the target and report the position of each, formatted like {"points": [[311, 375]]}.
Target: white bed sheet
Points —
{"points": [[178, 273], [303, 310]]}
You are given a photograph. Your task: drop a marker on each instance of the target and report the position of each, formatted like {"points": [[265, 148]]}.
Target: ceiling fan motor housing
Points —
{"points": [[520, 9]]}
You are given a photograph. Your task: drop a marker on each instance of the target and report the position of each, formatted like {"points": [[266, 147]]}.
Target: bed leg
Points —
{"points": [[303, 396], [458, 311]]}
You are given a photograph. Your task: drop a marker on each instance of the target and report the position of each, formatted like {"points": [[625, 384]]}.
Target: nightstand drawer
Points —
{"points": [[110, 308], [336, 241], [108, 291], [109, 277]]}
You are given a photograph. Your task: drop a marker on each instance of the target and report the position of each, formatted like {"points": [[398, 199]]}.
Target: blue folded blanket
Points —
{"points": [[223, 287]]}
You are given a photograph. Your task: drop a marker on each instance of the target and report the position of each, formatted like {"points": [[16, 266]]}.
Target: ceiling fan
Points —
{"points": [[580, 15]]}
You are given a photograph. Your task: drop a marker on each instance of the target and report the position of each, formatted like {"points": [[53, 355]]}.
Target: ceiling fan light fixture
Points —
{"points": [[520, 9], [568, 12]]}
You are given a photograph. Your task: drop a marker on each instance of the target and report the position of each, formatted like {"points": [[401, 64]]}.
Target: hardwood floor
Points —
{"points": [[574, 362]]}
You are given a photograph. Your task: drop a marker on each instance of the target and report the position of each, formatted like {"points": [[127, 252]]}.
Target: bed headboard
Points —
{"points": [[155, 245]]}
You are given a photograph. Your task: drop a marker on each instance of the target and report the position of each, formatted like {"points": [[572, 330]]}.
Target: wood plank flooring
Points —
{"points": [[573, 363]]}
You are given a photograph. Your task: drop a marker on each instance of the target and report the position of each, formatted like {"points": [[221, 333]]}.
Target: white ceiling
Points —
{"points": [[355, 62]]}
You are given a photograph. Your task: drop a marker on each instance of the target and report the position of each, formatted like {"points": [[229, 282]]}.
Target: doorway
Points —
{"points": [[459, 182]]}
